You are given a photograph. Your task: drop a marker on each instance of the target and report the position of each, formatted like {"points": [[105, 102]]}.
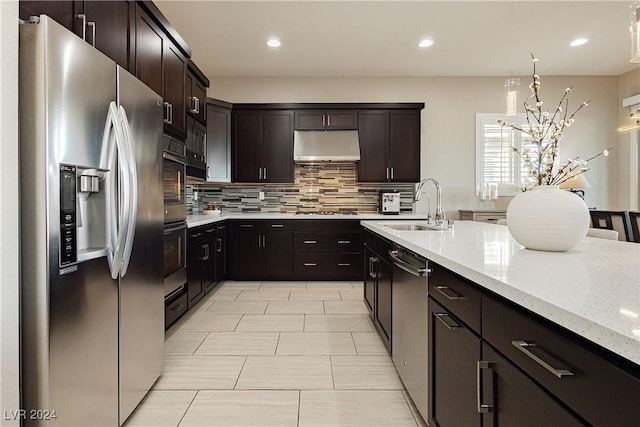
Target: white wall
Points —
{"points": [[9, 285], [448, 120]]}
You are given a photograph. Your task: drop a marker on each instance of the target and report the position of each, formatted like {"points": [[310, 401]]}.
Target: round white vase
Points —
{"points": [[548, 219]]}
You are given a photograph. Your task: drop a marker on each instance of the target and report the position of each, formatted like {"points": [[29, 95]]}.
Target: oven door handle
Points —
{"points": [[171, 230], [174, 158]]}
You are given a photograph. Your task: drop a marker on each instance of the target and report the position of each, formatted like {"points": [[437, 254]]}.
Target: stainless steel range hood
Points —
{"points": [[312, 146]]}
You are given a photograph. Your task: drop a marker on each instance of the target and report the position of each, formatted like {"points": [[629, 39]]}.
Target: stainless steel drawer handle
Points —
{"points": [[213, 230], [178, 308], [246, 225], [524, 346], [344, 264], [450, 323], [310, 264], [344, 242], [309, 242], [193, 236], [482, 407], [409, 268], [449, 293], [277, 225]]}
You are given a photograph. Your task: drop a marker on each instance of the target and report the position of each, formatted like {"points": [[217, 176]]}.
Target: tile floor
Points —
{"points": [[277, 354]]}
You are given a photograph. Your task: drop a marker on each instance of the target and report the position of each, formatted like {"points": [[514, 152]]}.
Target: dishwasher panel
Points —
{"points": [[409, 324]]}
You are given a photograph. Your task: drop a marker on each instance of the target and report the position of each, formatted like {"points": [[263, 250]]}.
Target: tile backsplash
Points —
{"points": [[329, 187]]}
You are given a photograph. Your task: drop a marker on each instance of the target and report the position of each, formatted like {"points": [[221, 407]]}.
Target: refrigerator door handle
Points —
{"points": [[132, 192]]}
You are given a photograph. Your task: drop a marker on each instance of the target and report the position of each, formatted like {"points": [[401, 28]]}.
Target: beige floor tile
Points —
{"points": [[364, 373], [200, 372], [286, 372], [355, 295], [318, 294], [265, 294], [341, 408], [243, 409], [295, 307], [345, 307], [238, 307], [239, 285], [225, 294], [369, 344], [183, 343], [337, 322], [283, 284], [201, 307], [209, 321], [271, 323], [315, 343], [329, 285], [161, 408], [414, 411], [239, 344]]}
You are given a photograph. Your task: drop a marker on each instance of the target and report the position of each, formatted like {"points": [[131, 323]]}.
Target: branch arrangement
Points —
{"points": [[546, 131]]}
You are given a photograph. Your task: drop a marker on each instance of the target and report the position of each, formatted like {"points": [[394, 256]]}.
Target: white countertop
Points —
{"points": [[204, 219], [592, 290]]}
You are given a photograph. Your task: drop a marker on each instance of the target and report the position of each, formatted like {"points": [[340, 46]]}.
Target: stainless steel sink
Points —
{"points": [[411, 227]]}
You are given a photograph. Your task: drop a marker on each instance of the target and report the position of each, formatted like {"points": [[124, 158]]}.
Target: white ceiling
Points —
{"points": [[379, 38]]}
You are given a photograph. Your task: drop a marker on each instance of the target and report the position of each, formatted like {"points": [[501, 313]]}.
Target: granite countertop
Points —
{"points": [[592, 290], [204, 219]]}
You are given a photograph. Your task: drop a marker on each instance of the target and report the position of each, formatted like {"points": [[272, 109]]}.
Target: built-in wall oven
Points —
{"points": [[173, 180]]}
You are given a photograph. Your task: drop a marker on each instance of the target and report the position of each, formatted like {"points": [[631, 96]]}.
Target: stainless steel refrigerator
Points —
{"points": [[92, 303]]}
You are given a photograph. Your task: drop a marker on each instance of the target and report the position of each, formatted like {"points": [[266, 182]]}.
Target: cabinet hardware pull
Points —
{"points": [[259, 241], [166, 112], [523, 347], [218, 245], [246, 225], [372, 262], [277, 225], [264, 240], [310, 264], [193, 236], [171, 111], [482, 407], [260, 174], [197, 105], [309, 242], [344, 242], [323, 120], [451, 295], [391, 173], [83, 18], [265, 173], [328, 120], [387, 173], [178, 308], [222, 227], [442, 316], [92, 24], [213, 230], [346, 264]]}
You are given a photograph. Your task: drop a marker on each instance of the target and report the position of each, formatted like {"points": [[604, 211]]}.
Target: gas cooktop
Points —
{"points": [[326, 213]]}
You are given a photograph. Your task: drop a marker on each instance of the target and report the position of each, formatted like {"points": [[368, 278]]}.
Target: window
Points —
{"points": [[496, 162]]}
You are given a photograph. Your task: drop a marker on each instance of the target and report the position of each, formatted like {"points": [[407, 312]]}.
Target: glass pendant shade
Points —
{"points": [[511, 96], [634, 29]]}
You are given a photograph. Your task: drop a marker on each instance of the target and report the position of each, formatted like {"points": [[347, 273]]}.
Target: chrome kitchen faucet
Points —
{"points": [[439, 216]]}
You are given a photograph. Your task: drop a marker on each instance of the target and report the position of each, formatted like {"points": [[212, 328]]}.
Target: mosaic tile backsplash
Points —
{"points": [[328, 187]]}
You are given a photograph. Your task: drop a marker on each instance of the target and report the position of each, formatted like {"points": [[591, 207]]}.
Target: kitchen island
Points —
{"points": [[540, 337]]}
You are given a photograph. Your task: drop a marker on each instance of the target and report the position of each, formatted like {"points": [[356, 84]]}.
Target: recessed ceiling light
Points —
{"points": [[425, 43], [273, 43], [578, 42]]}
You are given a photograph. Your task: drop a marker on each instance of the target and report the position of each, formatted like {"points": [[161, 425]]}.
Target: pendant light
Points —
{"points": [[634, 30]]}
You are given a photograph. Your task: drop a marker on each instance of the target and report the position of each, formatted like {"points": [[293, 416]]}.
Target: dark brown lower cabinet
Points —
{"points": [[378, 284], [383, 297], [369, 280], [510, 398], [454, 351], [206, 260]]}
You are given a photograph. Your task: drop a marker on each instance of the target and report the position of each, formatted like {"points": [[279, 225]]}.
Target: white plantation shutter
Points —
{"points": [[496, 162]]}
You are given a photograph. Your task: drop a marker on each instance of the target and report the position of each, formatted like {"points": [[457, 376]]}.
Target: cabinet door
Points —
{"points": [[63, 12], [277, 149], [246, 255], [373, 131], [195, 273], [149, 45], [221, 253], [175, 66], [218, 144], [247, 146], [516, 400], [383, 298], [209, 264], [200, 93], [342, 119], [453, 355], [404, 146], [310, 120], [277, 255], [114, 29], [369, 280]]}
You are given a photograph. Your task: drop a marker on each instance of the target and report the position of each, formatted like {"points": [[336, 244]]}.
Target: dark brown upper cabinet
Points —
{"points": [[389, 145], [326, 119], [108, 25], [262, 146], [196, 92], [175, 68]]}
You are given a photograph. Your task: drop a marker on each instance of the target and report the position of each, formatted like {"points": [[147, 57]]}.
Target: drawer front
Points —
{"points": [[331, 242], [174, 310], [593, 387], [261, 225], [198, 235], [327, 225], [490, 218], [327, 266], [458, 296]]}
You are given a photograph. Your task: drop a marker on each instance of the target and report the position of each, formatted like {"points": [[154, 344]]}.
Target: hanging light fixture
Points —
{"points": [[634, 29]]}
